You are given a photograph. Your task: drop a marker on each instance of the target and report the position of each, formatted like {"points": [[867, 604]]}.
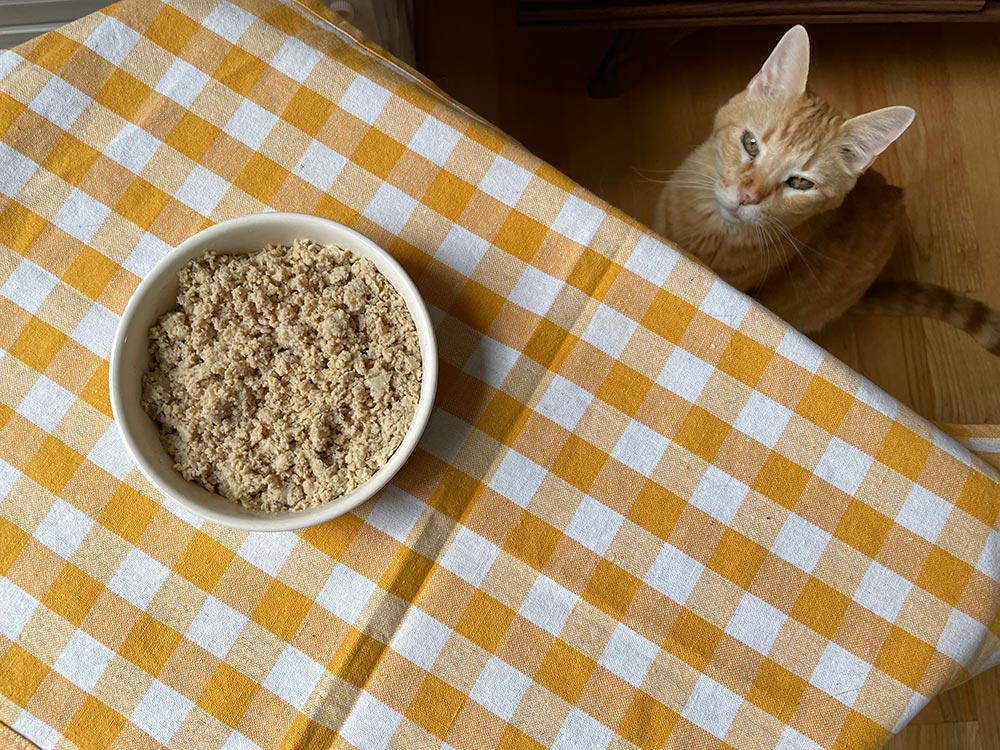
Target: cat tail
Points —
{"points": [[931, 301]]}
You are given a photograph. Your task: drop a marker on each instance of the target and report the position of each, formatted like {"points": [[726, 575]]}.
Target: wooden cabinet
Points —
{"points": [[622, 64], [680, 13]]}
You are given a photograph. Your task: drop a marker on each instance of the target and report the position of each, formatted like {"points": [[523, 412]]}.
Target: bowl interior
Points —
{"points": [[157, 294]]}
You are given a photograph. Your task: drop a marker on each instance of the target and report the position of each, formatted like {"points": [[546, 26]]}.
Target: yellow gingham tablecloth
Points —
{"points": [[645, 513], [981, 439]]}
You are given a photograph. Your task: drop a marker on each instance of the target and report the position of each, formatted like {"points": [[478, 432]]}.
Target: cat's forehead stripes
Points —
{"points": [[811, 161], [809, 122]]}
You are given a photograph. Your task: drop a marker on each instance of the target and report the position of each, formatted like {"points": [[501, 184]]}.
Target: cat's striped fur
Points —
{"points": [[913, 298]]}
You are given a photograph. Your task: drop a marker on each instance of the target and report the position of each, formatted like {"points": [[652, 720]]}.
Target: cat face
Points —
{"points": [[779, 161], [782, 154]]}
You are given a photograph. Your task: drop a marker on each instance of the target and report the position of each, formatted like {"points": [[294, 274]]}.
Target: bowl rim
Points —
{"points": [[281, 520]]}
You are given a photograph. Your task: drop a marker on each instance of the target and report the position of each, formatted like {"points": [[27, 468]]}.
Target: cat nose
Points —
{"points": [[749, 196]]}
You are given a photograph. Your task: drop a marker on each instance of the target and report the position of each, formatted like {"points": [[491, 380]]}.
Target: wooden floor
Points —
{"points": [[532, 84]]}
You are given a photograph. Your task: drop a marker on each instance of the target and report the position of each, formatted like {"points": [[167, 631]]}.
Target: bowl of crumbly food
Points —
{"points": [[273, 371]]}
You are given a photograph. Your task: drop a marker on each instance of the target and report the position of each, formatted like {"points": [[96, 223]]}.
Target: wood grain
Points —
{"points": [[955, 736], [532, 83], [568, 14], [705, 8]]}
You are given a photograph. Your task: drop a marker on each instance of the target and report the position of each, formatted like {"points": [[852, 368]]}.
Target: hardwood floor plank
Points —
{"points": [[964, 736], [988, 707]]}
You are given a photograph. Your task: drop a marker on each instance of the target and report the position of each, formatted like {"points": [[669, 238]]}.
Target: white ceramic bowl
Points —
{"points": [[158, 293]]}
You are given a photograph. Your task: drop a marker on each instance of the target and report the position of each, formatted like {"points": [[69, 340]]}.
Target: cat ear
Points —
{"points": [[785, 72], [868, 135]]}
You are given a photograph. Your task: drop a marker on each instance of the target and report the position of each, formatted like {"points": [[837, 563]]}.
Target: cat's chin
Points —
{"points": [[733, 218], [731, 215]]}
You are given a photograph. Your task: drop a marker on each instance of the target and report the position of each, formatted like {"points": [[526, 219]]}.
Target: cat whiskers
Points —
{"points": [[689, 175], [765, 240], [785, 257], [683, 183], [798, 246], [762, 243], [803, 246], [695, 185]]}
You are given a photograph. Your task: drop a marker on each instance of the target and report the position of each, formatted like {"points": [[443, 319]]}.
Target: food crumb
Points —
{"points": [[285, 378]]}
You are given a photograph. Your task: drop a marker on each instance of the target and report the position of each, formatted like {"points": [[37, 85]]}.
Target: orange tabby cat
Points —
{"points": [[778, 202]]}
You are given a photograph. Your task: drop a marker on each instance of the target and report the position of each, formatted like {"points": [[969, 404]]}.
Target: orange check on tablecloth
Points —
{"points": [[645, 513]]}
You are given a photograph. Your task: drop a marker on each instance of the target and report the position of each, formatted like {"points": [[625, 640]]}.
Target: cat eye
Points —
{"points": [[800, 183], [750, 143]]}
